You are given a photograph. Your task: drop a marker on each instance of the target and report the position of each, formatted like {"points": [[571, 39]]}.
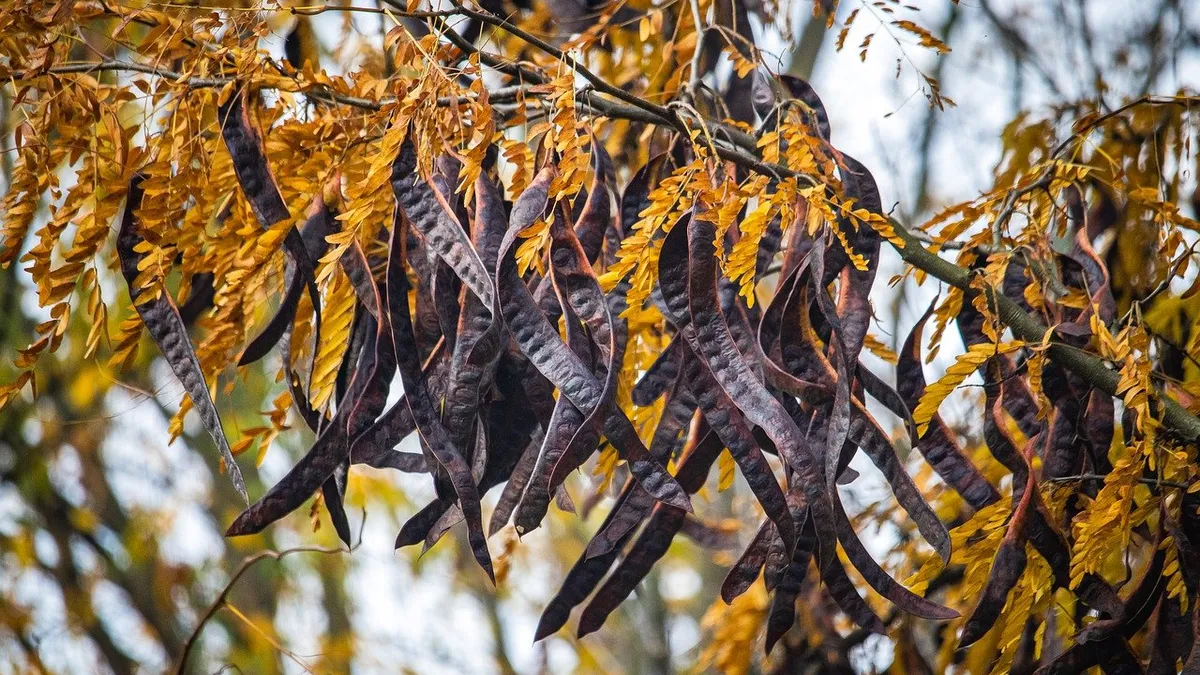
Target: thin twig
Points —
{"points": [[1010, 203], [698, 52], [500, 95], [250, 561], [534, 41], [1100, 478], [1136, 305]]}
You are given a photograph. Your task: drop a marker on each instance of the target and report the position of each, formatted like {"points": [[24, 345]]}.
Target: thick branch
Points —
{"points": [[1091, 368]]}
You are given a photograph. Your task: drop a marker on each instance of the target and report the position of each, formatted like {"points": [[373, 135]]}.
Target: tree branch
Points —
{"points": [[1091, 368], [247, 563], [318, 92], [1098, 478]]}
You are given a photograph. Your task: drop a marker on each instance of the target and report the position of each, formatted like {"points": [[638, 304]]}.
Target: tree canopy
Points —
{"points": [[604, 269]]}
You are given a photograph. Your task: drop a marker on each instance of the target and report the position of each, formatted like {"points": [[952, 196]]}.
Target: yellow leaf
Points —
{"points": [[966, 364], [728, 471]]}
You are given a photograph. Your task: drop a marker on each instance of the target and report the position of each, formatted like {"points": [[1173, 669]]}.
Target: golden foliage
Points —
{"points": [[734, 631], [86, 131], [964, 366]]}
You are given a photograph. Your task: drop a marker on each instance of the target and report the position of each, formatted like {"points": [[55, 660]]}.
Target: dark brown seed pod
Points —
{"points": [[244, 141], [715, 343], [546, 351], [749, 565], [412, 204], [1006, 570], [166, 327], [652, 542], [938, 446]]}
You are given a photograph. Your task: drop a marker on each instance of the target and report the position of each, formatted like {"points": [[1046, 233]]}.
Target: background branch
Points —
{"points": [[249, 562]]}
